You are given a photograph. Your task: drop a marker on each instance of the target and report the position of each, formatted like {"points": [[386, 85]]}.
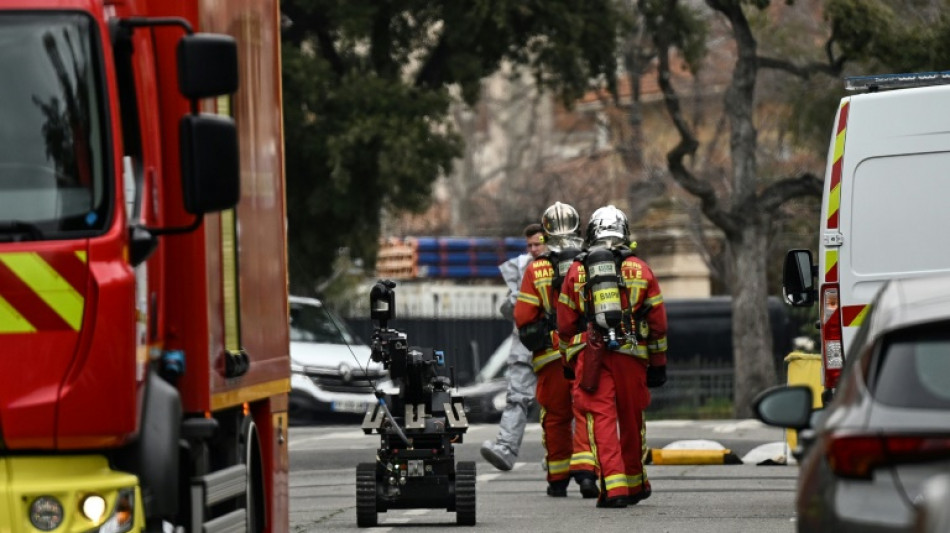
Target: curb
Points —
{"points": [[691, 457]]}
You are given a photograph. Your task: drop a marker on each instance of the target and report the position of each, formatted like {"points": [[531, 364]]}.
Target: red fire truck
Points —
{"points": [[144, 364]]}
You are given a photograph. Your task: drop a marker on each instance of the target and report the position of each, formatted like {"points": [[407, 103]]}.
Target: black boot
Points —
{"points": [[588, 487], [616, 502], [558, 489]]}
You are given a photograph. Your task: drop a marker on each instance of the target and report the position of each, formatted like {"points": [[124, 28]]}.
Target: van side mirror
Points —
{"points": [[798, 278], [207, 65], [210, 174]]}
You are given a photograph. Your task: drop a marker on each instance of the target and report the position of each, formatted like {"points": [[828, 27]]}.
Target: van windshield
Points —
{"points": [[52, 140], [315, 323]]}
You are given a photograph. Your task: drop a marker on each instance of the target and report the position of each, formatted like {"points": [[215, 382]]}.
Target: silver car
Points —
{"points": [[871, 452], [330, 369]]}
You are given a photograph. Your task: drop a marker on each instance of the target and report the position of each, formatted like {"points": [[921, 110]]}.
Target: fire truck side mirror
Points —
{"points": [[207, 65], [210, 177]]}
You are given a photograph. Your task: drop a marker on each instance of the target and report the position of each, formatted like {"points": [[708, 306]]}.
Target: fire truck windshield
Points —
{"points": [[53, 169]]}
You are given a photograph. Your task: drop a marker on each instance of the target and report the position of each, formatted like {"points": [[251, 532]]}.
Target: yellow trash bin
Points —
{"points": [[804, 369]]}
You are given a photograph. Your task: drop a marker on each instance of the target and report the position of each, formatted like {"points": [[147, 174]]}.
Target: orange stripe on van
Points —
{"points": [[834, 184], [853, 315]]}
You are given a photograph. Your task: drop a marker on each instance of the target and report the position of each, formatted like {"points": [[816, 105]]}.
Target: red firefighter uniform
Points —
{"points": [[567, 455], [621, 392]]}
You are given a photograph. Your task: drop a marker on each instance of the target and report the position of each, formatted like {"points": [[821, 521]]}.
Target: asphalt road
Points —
{"points": [[748, 497]]}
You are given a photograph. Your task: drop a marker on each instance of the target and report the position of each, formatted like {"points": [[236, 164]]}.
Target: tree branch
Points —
{"points": [[776, 194], [687, 145], [802, 71]]}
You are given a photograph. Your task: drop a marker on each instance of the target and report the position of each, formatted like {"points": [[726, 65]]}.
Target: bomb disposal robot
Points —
{"points": [[415, 464]]}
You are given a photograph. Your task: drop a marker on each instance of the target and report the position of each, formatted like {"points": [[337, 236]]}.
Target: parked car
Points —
{"points": [[869, 454], [485, 397], [331, 370]]}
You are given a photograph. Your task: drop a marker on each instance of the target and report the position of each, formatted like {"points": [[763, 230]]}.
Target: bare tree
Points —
{"points": [[745, 209]]}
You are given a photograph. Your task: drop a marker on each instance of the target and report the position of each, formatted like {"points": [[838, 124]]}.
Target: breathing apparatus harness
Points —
{"points": [[536, 336], [605, 307]]}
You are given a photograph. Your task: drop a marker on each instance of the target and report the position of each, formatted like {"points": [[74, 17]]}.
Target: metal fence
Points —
{"points": [[695, 389]]}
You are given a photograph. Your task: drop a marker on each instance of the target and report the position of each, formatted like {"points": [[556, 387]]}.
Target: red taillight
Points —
{"points": [[832, 350], [856, 456]]}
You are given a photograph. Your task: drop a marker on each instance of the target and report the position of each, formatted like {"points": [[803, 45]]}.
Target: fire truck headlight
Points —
{"points": [[123, 517], [46, 513], [93, 507]]}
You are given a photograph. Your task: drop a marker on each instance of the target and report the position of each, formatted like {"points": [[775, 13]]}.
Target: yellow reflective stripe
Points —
{"points": [[43, 279], [636, 350], [657, 345], [528, 299], [583, 458], [654, 301], [566, 300], [638, 283], [559, 467], [831, 259], [81, 254], [859, 318], [834, 200], [839, 144], [549, 355], [11, 321], [615, 481], [573, 350], [591, 439], [249, 393], [635, 481]]}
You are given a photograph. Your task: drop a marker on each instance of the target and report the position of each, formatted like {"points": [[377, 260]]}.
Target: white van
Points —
{"points": [[886, 205]]}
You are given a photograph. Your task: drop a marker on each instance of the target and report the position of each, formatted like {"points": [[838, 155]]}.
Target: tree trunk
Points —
{"points": [[751, 332]]}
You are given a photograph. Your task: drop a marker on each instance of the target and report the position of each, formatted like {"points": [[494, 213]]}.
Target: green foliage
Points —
{"points": [[891, 34], [368, 86], [684, 26]]}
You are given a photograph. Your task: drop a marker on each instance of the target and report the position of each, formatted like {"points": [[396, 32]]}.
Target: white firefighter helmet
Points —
{"points": [[560, 220], [608, 225]]}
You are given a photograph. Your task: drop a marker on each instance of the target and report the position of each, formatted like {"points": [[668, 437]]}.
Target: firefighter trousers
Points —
{"points": [[567, 454], [614, 420]]}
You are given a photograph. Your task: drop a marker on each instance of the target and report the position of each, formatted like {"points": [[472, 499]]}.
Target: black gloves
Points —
{"points": [[569, 373], [656, 376]]}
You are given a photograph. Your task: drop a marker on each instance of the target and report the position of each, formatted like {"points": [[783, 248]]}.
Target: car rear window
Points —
{"points": [[914, 368]]}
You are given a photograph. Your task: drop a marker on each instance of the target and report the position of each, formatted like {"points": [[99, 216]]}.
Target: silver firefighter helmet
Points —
{"points": [[608, 226]]}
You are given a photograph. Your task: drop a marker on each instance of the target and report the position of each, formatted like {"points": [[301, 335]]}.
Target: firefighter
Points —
{"points": [[615, 296], [566, 455], [502, 452]]}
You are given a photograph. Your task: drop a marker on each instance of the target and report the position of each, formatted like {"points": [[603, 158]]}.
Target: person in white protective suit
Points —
{"points": [[521, 377]]}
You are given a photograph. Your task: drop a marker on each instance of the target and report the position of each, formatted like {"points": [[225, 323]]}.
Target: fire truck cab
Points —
{"points": [[144, 360], [884, 209]]}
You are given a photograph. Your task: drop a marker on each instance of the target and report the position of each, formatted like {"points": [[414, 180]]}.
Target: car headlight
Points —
{"points": [[46, 513], [500, 400]]}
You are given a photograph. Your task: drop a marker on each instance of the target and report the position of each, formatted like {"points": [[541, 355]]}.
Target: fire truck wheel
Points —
{"points": [[366, 494], [465, 493], [255, 476]]}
